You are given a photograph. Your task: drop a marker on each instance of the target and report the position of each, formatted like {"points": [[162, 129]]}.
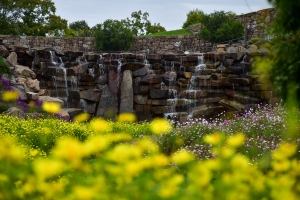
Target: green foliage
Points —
{"points": [[112, 35], [81, 28], [155, 28], [220, 26], [138, 22], [170, 33], [4, 67], [193, 17], [30, 17], [282, 65]]}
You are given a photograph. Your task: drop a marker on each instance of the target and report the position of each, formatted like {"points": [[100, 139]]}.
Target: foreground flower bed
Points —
{"points": [[52, 159]]}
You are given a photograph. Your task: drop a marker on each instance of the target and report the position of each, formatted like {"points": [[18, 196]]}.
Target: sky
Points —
{"points": [[171, 14]]}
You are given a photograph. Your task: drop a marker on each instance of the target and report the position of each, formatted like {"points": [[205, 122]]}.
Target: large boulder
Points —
{"points": [[12, 59], [3, 51], [51, 99], [15, 112], [24, 71], [126, 101], [92, 95], [108, 105]]}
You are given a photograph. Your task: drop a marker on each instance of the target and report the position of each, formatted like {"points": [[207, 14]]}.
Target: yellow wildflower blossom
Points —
{"points": [[160, 125], [182, 157], [100, 125], [214, 139], [126, 117], [10, 96], [82, 117], [51, 107], [236, 140]]}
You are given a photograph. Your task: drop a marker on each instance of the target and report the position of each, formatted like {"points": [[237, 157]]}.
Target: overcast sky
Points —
{"points": [[171, 14]]}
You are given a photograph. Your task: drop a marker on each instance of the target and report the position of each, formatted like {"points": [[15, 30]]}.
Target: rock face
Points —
{"points": [[108, 105], [126, 104], [150, 85]]}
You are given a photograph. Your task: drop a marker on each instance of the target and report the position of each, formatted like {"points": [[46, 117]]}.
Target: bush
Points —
{"points": [[193, 17], [112, 35], [4, 67], [221, 26]]}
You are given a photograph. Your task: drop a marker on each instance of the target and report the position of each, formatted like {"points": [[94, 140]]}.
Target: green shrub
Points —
{"points": [[221, 26], [4, 67], [112, 35]]}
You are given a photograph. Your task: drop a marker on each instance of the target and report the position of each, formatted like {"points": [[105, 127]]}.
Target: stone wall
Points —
{"points": [[86, 44], [256, 23]]}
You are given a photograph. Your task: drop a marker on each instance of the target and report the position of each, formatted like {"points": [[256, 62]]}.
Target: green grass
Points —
{"points": [[170, 33]]}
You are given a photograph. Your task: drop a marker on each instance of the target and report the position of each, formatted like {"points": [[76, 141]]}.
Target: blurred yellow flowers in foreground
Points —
{"points": [[126, 117], [81, 117], [10, 96], [160, 125], [51, 107]]}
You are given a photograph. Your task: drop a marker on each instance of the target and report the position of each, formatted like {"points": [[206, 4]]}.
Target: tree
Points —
{"points": [[138, 22], [81, 28], [30, 17], [155, 28], [282, 65], [221, 26], [193, 17], [112, 35]]}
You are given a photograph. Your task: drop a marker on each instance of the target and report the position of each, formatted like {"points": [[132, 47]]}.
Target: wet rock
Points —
{"points": [[169, 78], [32, 95], [3, 51], [206, 111], [20, 88], [232, 105], [131, 66], [140, 99], [102, 80], [33, 85], [51, 99], [126, 101], [16, 48], [159, 94], [241, 80], [159, 102], [140, 89], [157, 57], [231, 50], [108, 105], [141, 72], [91, 95], [12, 59], [24, 71], [63, 113], [15, 112], [73, 112]]}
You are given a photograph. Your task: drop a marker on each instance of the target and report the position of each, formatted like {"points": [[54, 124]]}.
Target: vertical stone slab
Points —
{"points": [[126, 103], [108, 105]]}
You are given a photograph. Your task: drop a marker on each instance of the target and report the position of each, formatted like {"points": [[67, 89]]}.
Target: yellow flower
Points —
{"points": [[100, 125], [51, 107], [214, 139], [126, 117], [10, 96], [239, 162], [182, 157], [81, 117], [47, 168], [160, 125], [236, 140]]}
